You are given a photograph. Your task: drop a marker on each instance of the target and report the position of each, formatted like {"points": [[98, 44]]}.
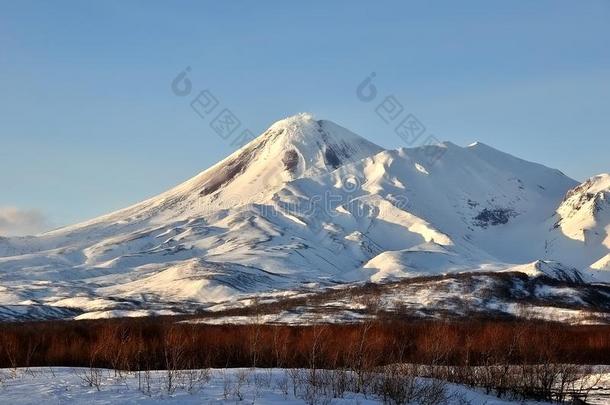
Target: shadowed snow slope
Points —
{"points": [[311, 202]]}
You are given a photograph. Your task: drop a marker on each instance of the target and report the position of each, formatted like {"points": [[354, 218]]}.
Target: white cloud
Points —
{"points": [[17, 222]]}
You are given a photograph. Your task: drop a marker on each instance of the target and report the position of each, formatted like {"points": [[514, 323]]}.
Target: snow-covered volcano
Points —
{"points": [[310, 203]]}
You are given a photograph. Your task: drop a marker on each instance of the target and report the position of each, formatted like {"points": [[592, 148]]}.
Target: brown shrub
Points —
{"points": [[160, 343]]}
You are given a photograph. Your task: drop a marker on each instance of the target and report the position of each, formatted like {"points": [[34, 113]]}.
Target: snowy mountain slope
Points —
{"points": [[310, 202], [472, 196], [582, 226], [475, 209], [584, 213]]}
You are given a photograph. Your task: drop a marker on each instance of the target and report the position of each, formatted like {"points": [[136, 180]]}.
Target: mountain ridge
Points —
{"points": [[307, 203]]}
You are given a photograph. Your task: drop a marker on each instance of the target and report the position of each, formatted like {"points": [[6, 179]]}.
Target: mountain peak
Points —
{"points": [[309, 146], [599, 183], [295, 129], [584, 213], [301, 120], [303, 130], [590, 187], [294, 147], [478, 145]]}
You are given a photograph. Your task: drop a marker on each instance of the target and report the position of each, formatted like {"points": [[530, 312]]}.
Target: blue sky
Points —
{"points": [[89, 124]]}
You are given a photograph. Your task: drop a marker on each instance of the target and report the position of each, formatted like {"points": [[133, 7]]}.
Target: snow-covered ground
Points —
{"points": [[70, 386]]}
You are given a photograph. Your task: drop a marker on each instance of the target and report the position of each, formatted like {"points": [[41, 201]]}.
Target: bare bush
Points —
{"points": [[173, 352], [296, 379], [227, 385], [282, 383], [91, 377], [144, 380], [241, 380], [195, 379], [396, 385]]}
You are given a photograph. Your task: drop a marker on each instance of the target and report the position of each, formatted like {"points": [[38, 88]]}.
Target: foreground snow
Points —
{"points": [[63, 385]]}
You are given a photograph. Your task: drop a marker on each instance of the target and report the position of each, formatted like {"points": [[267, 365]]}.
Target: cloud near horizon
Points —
{"points": [[19, 222]]}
